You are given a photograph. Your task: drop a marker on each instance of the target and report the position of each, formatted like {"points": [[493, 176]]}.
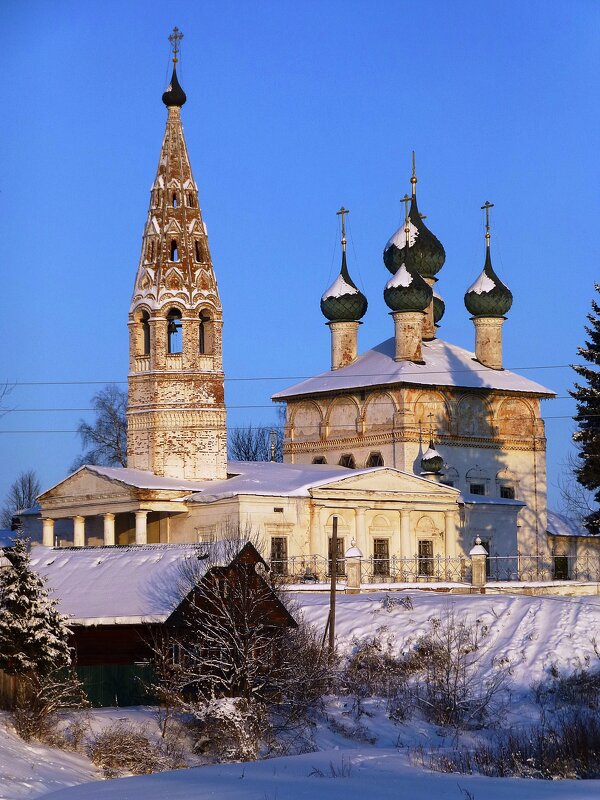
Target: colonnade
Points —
{"points": [[141, 529]]}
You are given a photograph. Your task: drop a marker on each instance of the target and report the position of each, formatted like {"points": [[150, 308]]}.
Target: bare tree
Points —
{"points": [[5, 390], [259, 443], [576, 501], [21, 495], [106, 438]]}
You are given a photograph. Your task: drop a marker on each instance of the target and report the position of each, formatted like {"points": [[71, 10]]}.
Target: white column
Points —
{"points": [[361, 530], [141, 529], [47, 532], [109, 529], [79, 531], [406, 547], [450, 534]]}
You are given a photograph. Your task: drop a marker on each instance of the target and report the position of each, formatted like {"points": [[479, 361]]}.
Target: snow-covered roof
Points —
{"points": [[138, 478], [124, 585], [444, 365], [559, 525], [269, 478]]}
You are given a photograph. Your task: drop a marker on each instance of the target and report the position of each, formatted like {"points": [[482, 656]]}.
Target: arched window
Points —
{"points": [[191, 200], [375, 460], [347, 460], [174, 336], [150, 250], [174, 199], [174, 250], [197, 250], [205, 333], [145, 333], [319, 460]]}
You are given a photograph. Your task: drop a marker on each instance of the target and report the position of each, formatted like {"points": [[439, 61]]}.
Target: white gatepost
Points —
{"points": [[353, 558], [478, 564]]}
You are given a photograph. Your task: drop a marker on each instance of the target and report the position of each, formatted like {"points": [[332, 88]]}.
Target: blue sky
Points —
{"points": [[293, 110]]}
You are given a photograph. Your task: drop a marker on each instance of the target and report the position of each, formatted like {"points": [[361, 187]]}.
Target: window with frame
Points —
{"points": [[381, 557], [347, 460], [319, 460], [375, 460], [507, 492], [279, 555], [425, 557], [477, 488]]}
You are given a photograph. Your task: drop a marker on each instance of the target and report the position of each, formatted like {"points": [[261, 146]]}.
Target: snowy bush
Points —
{"points": [[228, 729], [452, 684], [125, 749], [566, 747]]}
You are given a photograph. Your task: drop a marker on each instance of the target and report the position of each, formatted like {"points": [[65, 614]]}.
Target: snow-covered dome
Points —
{"points": [[406, 290], [432, 461], [488, 296], [427, 252], [343, 301]]}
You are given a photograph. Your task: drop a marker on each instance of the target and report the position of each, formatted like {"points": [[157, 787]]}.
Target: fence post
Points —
{"points": [[353, 558], [478, 564]]}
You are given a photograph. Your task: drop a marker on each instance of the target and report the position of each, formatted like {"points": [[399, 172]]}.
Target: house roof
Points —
{"points": [[125, 585], [559, 525], [444, 365]]}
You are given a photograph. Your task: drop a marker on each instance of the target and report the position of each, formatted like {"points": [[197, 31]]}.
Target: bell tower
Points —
{"points": [[176, 408]]}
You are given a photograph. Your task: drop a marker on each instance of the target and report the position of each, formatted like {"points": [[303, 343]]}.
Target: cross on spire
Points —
{"points": [[406, 201], [413, 178], [175, 40], [486, 206], [342, 213]]}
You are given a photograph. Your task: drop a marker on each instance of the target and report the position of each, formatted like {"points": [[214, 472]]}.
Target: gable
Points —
{"points": [[385, 479], [85, 484]]}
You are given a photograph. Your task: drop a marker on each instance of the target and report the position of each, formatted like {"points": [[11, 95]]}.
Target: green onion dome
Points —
{"points": [[488, 296], [407, 291], [174, 95], [432, 461], [343, 301], [438, 307], [427, 252]]}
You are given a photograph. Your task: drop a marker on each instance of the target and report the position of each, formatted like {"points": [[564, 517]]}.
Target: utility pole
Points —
{"points": [[333, 588]]}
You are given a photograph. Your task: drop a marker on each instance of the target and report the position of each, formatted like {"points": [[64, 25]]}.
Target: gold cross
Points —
{"points": [[406, 201], [175, 39], [342, 213], [487, 205]]}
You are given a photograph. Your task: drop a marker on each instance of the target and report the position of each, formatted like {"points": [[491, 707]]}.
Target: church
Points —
{"points": [[417, 447]]}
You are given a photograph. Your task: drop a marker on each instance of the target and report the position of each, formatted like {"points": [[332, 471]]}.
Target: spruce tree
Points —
{"points": [[33, 635], [587, 395]]}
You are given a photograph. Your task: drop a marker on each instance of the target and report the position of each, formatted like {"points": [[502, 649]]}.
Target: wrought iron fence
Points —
{"points": [[418, 569]]}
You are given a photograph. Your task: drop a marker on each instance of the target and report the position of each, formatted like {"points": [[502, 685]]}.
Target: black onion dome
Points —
{"points": [[428, 254], [438, 307], [406, 290], [488, 296], [343, 301], [174, 95], [432, 460]]}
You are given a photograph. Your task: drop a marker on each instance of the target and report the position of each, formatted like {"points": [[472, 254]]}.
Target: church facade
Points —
{"points": [[416, 447]]}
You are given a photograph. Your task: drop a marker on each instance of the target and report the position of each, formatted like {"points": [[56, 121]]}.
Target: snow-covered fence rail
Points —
{"points": [[528, 568], [415, 569]]}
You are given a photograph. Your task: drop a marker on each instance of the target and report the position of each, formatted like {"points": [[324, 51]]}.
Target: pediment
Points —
{"points": [[386, 479], [84, 484]]}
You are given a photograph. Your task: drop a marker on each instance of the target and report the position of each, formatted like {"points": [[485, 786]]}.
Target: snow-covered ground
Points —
{"points": [[533, 634]]}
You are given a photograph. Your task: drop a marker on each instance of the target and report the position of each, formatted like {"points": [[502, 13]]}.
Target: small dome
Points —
{"points": [[407, 291], [427, 252], [438, 307], [343, 301], [488, 296], [432, 461], [174, 95]]}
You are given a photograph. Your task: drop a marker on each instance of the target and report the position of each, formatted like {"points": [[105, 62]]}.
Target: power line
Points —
{"points": [[386, 378]]}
